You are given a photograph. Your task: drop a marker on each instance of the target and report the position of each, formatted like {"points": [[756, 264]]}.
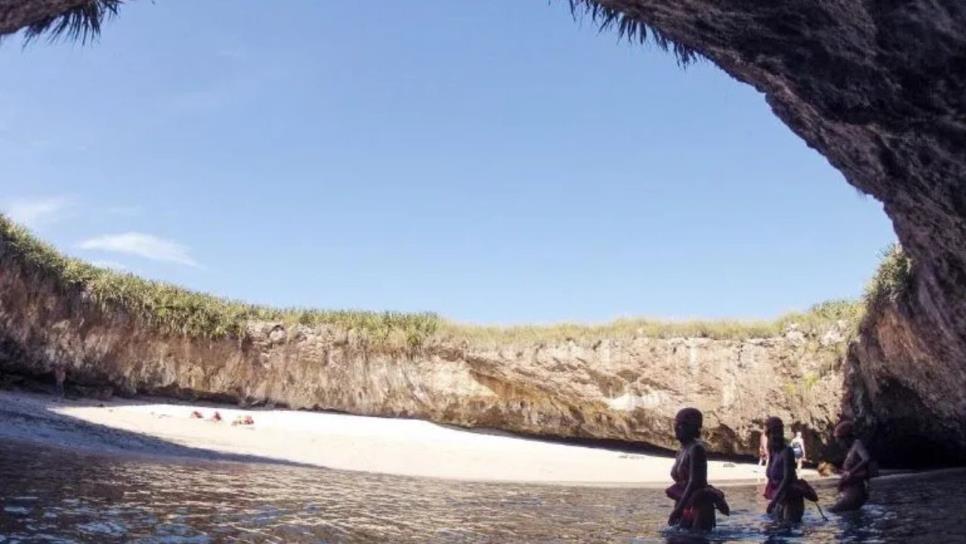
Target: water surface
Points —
{"points": [[56, 496]]}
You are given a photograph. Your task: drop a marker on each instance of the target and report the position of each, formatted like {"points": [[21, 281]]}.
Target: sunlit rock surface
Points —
{"points": [[625, 389], [879, 88]]}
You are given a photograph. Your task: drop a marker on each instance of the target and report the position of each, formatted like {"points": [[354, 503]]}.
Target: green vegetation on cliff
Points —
{"points": [[814, 322], [892, 279], [175, 310]]}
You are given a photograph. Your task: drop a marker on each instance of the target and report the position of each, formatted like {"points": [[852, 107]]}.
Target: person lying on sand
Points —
{"points": [[243, 420], [695, 500]]}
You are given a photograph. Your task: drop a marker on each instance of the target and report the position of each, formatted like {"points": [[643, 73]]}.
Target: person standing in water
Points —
{"points": [[856, 470], [786, 502], [798, 448], [60, 376], [694, 500]]}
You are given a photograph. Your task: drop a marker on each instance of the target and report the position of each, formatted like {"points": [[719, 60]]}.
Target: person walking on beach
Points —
{"points": [[856, 470], [763, 449], [786, 502], [60, 376], [694, 500], [798, 448]]}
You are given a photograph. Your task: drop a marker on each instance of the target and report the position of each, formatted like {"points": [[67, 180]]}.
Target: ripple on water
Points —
{"points": [[51, 496]]}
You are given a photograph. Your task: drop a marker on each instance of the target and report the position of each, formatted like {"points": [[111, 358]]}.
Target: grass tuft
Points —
{"points": [[175, 310], [813, 323], [631, 28], [79, 23], [892, 279], [178, 311]]}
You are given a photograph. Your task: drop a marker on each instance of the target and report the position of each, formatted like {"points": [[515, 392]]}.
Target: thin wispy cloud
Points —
{"points": [[111, 265], [36, 212], [142, 245]]}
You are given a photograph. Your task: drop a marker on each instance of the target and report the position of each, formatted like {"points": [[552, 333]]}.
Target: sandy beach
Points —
{"points": [[161, 427]]}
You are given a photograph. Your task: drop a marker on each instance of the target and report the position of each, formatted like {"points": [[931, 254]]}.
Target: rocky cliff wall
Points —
{"points": [[904, 386], [624, 388], [879, 88]]}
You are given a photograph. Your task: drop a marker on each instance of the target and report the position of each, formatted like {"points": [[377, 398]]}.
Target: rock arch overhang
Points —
{"points": [[879, 88]]}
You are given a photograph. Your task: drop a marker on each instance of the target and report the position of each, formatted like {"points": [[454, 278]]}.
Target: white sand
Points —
{"points": [[392, 446]]}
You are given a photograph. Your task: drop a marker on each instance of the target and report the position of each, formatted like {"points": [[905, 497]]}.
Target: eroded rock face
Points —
{"points": [[910, 405], [879, 88], [625, 389]]}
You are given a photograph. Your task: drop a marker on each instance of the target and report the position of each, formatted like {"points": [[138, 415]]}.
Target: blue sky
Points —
{"points": [[495, 162]]}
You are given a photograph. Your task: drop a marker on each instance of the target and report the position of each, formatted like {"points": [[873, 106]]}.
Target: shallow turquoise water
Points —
{"points": [[54, 496]]}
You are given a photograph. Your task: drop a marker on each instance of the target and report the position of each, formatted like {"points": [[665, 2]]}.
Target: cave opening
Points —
{"points": [[881, 106]]}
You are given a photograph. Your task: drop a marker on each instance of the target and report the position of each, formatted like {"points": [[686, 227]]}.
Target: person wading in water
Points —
{"points": [[856, 470], [694, 500], [786, 501]]}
